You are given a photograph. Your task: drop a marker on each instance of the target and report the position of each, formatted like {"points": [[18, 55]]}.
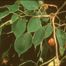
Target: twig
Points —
{"points": [[9, 21], [61, 8], [54, 35], [47, 61], [60, 25], [27, 62], [38, 16], [61, 12]]}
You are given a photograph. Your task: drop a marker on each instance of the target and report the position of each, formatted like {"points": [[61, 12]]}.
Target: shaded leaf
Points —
{"points": [[41, 34], [48, 30], [14, 18], [45, 19], [30, 4], [4, 14], [23, 43], [62, 49], [61, 37], [19, 27], [38, 37], [34, 24]]}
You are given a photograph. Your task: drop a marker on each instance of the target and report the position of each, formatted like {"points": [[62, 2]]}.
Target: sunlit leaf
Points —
{"points": [[30, 4], [19, 27], [23, 43], [34, 24]]}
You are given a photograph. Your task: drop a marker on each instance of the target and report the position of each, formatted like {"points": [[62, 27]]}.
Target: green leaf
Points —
{"points": [[23, 43], [38, 37], [30, 4], [41, 34], [14, 18], [34, 24], [61, 50], [45, 19], [13, 8], [19, 27], [48, 30], [61, 37], [4, 14]]}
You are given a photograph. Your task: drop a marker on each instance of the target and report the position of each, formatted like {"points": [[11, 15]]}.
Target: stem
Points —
{"points": [[27, 62], [54, 35], [38, 16], [9, 21], [47, 61], [61, 7]]}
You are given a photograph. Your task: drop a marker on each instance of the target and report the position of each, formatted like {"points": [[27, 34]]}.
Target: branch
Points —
{"points": [[47, 61]]}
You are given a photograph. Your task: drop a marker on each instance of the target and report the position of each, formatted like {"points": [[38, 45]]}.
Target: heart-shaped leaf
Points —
{"points": [[19, 27], [41, 34], [23, 43], [34, 24], [61, 37], [30, 4]]}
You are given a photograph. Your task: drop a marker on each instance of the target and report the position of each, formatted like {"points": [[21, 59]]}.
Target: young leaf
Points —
{"points": [[41, 34], [30, 4], [23, 43], [19, 27], [34, 24], [13, 8], [4, 14]]}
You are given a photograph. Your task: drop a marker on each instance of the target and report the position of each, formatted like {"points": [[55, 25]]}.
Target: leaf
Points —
{"points": [[41, 34], [13, 8], [4, 14], [62, 49], [30, 4], [23, 43], [19, 27], [38, 37], [45, 19], [61, 37], [34, 24], [14, 18], [48, 30]]}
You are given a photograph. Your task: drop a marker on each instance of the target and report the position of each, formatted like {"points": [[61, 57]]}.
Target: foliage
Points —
{"points": [[31, 25]]}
